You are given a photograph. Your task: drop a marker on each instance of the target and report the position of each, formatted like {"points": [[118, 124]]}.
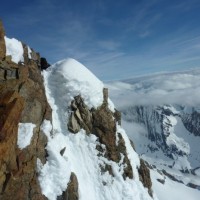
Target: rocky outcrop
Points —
{"points": [[44, 64], [22, 100], [101, 122], [11, 106], [71, 192], [144, 175], [81, 117], [2, 42]]}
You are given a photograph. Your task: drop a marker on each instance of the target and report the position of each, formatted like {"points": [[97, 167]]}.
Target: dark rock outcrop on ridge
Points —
{"points": [[102, 123], [144, 175], [43, 63]]}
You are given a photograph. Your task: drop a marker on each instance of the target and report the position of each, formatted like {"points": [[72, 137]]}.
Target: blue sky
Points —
{"points": [[114, 39]]}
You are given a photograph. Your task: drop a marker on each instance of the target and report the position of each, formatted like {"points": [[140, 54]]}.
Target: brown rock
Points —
{"points": [[72, 189], [26, 59], [144, 175], [81, 117], [117, 116], [2, 42], [105, 96], [102, 123], [22, 100], [11, 106]]}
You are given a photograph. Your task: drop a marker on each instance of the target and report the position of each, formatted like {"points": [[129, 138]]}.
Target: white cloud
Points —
{"points": [[172, 88]]}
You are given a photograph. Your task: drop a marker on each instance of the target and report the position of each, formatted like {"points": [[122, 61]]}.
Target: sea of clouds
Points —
{"points": [[182, 88]]}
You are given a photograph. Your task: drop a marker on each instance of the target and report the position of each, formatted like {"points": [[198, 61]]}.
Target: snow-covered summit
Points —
{"points": [[78, 80], [100, 176]]}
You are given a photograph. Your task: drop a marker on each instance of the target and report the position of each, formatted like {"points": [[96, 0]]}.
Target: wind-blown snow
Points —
{"points": [[25, 133], [15, 49], [63, 81]]}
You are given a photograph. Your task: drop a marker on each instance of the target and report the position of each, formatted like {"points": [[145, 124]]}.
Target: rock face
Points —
{"points": [[191, 122], [145, 177], [2, 42], [22, 100], [44, 64], [72, 189], [172, 130], [102, 123]]}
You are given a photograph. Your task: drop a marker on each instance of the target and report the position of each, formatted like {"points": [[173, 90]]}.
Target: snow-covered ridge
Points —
{"points": [[63, 81], [78, 80]]}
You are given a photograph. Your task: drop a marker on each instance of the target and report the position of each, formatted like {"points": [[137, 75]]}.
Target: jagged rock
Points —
{"points": [[26, 56], [73, 124], [121, 148], [44, 64], [144, 175], [2, 42], [101, 122], [81, 117], [62, 151], [161, 180], [35, 56], [22, 100], [171, 176], [11, 106], [72, 189], [117, 116], [105, 96]]}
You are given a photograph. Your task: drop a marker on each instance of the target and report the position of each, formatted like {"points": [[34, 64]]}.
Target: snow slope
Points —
{"points": [[63, 81], [171, 189]]}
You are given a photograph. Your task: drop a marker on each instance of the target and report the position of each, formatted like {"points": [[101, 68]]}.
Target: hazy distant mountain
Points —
{"points": [[161, 114]]}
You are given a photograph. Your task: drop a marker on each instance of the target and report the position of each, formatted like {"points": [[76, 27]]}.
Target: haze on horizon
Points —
{"points": [[114, 39]]}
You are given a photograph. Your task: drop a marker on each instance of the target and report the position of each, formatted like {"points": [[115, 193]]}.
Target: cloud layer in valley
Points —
{"points": [[172, 88]]}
